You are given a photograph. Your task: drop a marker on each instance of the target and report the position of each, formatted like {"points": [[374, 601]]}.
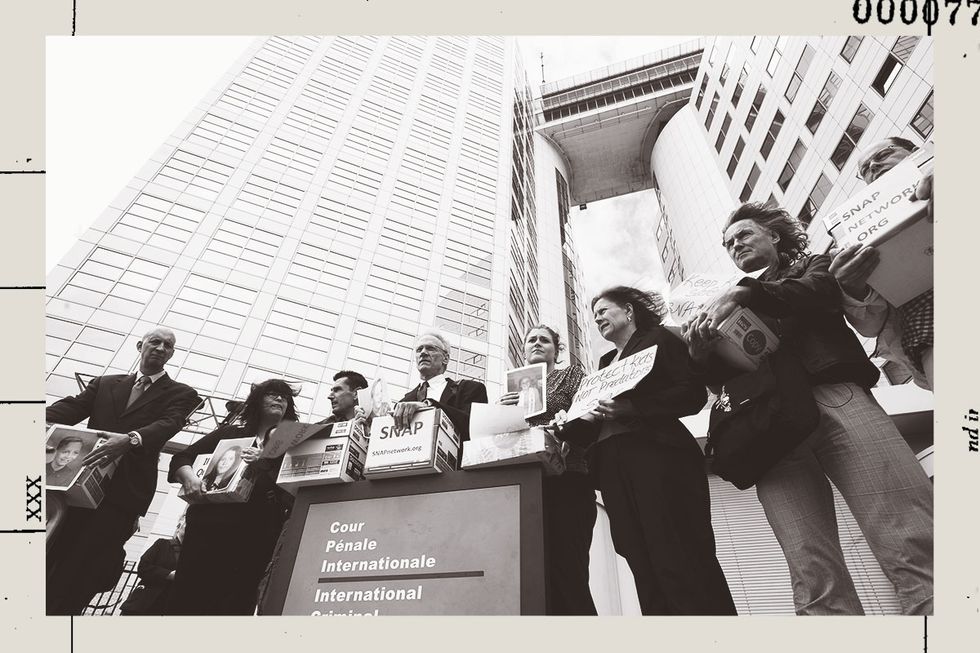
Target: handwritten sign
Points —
{"points": [[697, 292], [611, 381]]}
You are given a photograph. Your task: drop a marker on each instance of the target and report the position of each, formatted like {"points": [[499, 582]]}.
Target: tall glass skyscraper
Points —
{"points": [[332, 197], [328, 200]]}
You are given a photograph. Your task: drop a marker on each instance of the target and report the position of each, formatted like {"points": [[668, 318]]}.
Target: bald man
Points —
{"points": [[140, 412]]}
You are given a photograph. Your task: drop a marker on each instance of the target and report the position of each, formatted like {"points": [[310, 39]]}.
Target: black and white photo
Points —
{"points": [[531, 385]]}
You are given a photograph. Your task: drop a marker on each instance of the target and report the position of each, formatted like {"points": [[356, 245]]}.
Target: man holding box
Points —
{"points": [[905, 333], [454, 398], [150, 408]]}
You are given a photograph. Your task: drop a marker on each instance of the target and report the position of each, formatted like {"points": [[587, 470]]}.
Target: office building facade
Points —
{"points": [[326, 202], [332, 197], [713, 123]]}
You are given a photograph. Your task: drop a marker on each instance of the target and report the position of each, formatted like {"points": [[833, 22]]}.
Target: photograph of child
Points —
{"points": [[529, 383], [65, 450]]}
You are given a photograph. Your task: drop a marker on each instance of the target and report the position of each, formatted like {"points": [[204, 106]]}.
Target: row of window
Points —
{"points": [[897, 57]]}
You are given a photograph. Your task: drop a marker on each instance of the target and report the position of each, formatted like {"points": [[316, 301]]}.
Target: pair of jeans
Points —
{"points": [[858, 448]]}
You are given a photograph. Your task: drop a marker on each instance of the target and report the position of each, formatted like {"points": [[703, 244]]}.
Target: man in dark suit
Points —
{"points": [[156, 572], [436, 389], [139, 413]]}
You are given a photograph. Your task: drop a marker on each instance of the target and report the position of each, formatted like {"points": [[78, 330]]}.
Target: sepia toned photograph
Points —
{"points": [[65, 450], [289, 222], [222, 468], [531, 385]]}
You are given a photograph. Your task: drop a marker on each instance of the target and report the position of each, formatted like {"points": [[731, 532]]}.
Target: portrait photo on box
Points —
{"points": [[64, 452], [223, 466], [529, 382]]}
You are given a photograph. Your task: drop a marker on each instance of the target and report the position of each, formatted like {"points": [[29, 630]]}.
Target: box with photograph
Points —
{"points": [[222, 473], [746, 338], [533, 445], [530, 384], [883, 214], [334, 455], [65, 449], [428, 445]]}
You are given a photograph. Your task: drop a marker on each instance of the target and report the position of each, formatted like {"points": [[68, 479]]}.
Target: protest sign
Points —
{"points": [[428, 444], [611, 381]]}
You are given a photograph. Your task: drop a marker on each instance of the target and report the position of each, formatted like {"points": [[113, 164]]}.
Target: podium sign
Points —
{"points": [[460, 543], [407, 556]]}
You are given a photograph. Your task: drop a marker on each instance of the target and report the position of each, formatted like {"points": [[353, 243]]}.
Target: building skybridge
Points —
{"points": [[606, 122]]}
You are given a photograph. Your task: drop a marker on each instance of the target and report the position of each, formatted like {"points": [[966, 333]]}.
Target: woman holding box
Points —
{"points": [[569, 500], [650, 469], [228, 545], [855, 445]]}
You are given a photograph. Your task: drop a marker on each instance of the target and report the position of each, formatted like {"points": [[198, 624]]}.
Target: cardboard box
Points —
{"points": [[533, 445], [288, 434], [219, 485], [82, 487], [336, 455], [429, 445], [746, 339], [882, 215]]}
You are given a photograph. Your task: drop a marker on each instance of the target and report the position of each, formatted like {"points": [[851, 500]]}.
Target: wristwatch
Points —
{"points": [[135, 440]]}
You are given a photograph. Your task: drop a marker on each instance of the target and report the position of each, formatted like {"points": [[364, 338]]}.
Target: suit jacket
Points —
{"points": [[150, 596], [455, 402], [159, 414], [670, 391]]}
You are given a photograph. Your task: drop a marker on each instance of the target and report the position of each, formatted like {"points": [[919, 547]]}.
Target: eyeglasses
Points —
{"points": [[877, 158], [277, 395]]}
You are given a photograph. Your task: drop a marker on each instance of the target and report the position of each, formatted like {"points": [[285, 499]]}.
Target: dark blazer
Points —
{"points": [[670, 391], [150, 596], [804, 301], [158, 415], [455, 402]]}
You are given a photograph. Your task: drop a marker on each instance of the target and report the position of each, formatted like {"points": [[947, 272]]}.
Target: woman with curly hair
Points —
{"points": [[856, 445], [228, 545], [649, 467]]}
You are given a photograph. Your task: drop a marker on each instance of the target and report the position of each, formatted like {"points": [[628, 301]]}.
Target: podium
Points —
{"points": [[456, 543]]}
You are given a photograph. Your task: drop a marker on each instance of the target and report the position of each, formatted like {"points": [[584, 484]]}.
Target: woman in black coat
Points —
{"points": [[228, 545], [650, 469]]}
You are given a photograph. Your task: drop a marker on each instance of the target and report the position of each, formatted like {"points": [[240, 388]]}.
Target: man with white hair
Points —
{"points": [[436, 389], [139, 412], [904, 333]]}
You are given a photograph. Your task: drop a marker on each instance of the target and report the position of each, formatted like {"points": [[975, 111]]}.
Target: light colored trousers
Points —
{"points": [[857, 446]]}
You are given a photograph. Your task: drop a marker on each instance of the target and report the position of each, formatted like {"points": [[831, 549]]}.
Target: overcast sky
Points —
{"points": [[112, 101]]}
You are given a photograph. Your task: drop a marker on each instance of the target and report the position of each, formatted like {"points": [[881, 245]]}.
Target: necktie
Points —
{"points": [[424, 391], [138, 388]]}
